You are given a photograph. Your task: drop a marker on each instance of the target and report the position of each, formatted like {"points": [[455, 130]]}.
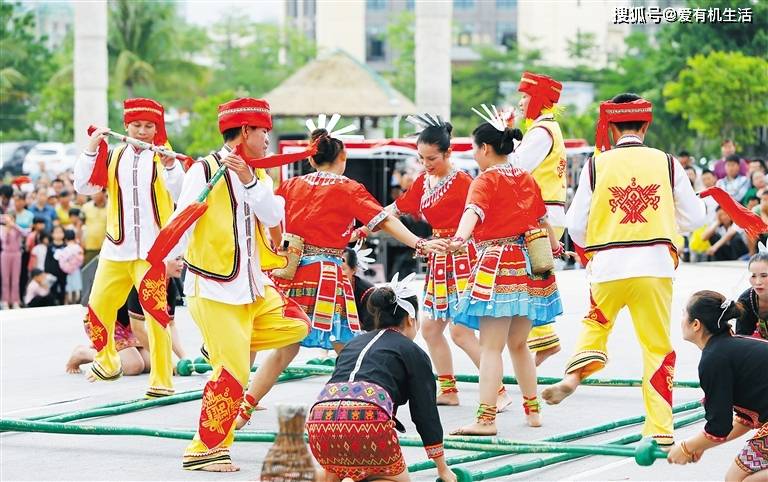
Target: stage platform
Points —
{"points": [[37, 342]]}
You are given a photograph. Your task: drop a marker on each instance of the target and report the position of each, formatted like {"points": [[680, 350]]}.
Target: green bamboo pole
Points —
{"points": [[565, 437], [119, 408], [186, 367], [543, 462], [529, 447], [599, 382]]}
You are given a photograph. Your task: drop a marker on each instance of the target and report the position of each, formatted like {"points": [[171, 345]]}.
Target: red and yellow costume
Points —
{"points": [[441, 205], [542, 153], [623, 216], [321, 208], [231, 300], [508, 202], [141, 192]]}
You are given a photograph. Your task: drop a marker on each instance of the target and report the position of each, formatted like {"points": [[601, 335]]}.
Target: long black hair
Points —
{"points": [[501, 141], [328, 148], [382, 304], [713, 311], [439, 136]]}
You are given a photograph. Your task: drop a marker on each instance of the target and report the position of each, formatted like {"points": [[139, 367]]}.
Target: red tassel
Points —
{"points": [[276, 160], [186, 162], [169, 236], [743, 217], [99, 174], [582, 254]]}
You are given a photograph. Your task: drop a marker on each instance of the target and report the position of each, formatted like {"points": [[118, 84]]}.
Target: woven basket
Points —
{"points": [[293, 251], [539, 251], [289, 460]]}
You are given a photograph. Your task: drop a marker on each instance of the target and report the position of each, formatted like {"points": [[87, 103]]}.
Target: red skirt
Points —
{"points": [[354, 438], [124, 337]]}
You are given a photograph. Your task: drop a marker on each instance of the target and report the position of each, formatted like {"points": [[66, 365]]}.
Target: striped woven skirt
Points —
{"points": [[354, 437], [326, 296], [446, 278], [502, 285]]}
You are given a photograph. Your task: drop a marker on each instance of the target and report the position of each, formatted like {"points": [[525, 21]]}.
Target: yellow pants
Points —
{"points": [[544, 337], [111, 285], [649, 301], [230, 334]]}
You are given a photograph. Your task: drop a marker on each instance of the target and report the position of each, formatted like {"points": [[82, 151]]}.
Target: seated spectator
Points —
{"points": [[689, 163], [727, 149], [728, 241], [751, 202], [38, 292], [733, 183], [757, 183], [708, 178], [757, 164]]}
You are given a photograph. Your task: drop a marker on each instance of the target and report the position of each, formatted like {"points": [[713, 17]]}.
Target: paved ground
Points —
{"points": [[37, 342]]}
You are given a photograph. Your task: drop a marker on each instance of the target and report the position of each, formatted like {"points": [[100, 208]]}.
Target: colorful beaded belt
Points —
{"points": [[480, 245], [310, 250], [443, 232]]}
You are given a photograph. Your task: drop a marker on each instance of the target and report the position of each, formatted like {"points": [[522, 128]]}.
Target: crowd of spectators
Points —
{"points": [[47, 234]]}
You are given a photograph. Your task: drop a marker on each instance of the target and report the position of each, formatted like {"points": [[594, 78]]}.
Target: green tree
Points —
{"points": [[400, 39], [203, 128], [257, 57], [150, 54], [24, 67], [54, 113], [722, 94]]}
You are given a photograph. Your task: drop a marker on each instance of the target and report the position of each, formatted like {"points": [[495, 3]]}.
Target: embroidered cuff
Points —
{"points": [[477, 210], [252, 183], [376, 220], [434, 451], [714, 438], [746, 422]]}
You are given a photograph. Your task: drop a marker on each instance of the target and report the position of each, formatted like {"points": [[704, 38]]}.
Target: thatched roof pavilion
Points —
{"points": [[337, 83]]}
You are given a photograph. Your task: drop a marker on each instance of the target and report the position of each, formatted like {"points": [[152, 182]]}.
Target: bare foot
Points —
{"points": [[533, 419], [476, 429], [544, 354], [91, 377], [503, 401], [230, 467], [557, 392], [449, 399]]}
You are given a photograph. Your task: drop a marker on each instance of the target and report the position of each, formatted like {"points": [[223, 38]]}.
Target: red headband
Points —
{"points": [[544, 91], [244, 112], [146, 110], [637, 110]]}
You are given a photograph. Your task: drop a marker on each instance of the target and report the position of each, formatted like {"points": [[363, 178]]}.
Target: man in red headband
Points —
{"points": [[141, 188], [542, 153], [235, 305], [630, 202]]}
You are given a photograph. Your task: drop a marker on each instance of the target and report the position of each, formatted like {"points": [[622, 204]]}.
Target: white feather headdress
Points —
{"points": [[422, 121], [364, 258], [403, 290], [496, 118], [341, 134]]}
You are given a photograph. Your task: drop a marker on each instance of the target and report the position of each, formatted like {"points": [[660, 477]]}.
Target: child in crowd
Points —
{"points": [[38, 290]]}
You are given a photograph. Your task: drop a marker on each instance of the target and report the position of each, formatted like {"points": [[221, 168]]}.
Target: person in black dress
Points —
{"points": [[733, 375], [754, 300], [354, 418]]}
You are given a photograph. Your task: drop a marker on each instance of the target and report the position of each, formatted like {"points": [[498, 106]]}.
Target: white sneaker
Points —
{"points": [[3, 305]]}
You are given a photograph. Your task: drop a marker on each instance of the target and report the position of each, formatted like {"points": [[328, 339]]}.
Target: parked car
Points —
{"points": [[53, 158], [12, 156]]}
